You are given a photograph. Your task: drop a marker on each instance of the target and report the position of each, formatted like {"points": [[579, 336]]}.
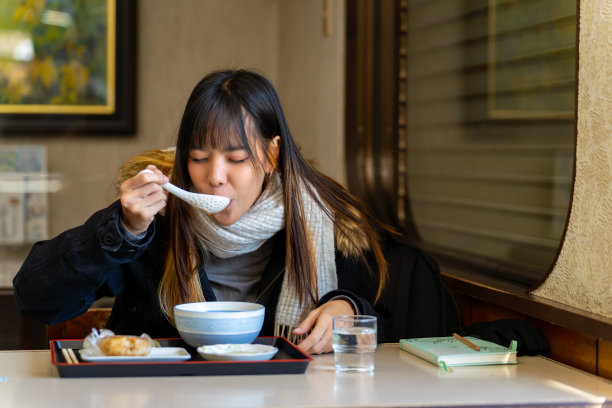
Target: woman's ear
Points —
{"points": [[273, 152]]}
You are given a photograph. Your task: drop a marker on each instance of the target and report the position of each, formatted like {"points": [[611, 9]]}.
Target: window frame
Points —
{"points": [[374, 156]]}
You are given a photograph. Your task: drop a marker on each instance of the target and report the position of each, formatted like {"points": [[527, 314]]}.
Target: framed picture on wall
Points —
{"points": [[67, 66], [531, 65]]}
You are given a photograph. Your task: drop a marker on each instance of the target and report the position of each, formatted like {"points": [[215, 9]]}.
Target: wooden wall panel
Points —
{"points": [[465, 308], [482, 312], [604, 368], [566, 346], [569, 347]]}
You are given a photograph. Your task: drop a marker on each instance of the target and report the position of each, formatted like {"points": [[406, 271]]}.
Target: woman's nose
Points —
{"points": [[217, 174]]}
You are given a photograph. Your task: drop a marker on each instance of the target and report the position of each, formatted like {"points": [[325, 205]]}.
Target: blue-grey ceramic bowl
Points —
{"points": [[205, 323]]}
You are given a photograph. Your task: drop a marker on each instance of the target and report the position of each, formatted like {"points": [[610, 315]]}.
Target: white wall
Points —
{"points": [[311, 80]]}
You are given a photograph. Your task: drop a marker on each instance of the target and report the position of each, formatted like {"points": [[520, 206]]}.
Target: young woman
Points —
{"points": [[291, 238]]}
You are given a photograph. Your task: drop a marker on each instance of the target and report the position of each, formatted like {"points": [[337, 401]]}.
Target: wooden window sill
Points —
{"points": [[515, 297]]}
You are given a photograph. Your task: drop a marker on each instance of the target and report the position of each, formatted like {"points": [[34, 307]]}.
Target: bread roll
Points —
{"points": [[125, 346]]}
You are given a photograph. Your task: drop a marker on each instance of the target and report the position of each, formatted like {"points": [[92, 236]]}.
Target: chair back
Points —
{"points": [[80, 326]]}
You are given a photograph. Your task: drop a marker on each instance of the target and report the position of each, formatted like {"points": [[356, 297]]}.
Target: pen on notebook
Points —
{"points": [[466, 342]]}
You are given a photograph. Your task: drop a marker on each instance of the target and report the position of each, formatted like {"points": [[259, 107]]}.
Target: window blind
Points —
{"points": [[486, 124]]}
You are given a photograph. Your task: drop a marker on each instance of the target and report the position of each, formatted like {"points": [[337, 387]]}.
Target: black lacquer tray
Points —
{"points": [[288, 360]]}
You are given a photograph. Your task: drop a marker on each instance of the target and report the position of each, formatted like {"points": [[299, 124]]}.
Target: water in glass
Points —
{"points": [[354, 343]]}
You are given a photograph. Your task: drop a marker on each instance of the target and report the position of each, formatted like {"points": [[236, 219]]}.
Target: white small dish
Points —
{"points": [[156, 354], [237, 352]]}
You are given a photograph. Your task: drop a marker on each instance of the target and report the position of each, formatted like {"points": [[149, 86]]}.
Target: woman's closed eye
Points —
{"points": [[197, 155], [231, 160], [237, 156], [233, 156]]}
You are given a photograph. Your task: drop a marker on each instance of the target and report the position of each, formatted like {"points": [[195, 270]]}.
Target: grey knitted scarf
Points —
{"points": [[264, 219]]}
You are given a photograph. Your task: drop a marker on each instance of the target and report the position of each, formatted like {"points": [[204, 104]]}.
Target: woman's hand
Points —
{"points": [[141, 198], [320, 338]]}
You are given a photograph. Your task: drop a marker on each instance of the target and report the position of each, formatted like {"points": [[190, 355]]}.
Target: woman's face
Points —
{"points": [[231, 173]]}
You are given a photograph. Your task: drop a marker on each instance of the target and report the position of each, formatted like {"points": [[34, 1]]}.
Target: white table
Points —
{"points": [[28, 379]]}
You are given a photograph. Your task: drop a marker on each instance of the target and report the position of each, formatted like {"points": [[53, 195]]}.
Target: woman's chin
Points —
{"points": [[224, 218]]}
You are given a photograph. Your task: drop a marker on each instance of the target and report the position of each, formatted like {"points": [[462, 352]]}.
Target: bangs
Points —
{"points": [[222, 128]]}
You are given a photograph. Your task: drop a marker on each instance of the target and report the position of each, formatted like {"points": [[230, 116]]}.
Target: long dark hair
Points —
{"points": [[215, 116]]}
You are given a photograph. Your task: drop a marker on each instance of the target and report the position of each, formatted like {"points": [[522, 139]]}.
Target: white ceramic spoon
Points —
{"points": [[207, 202]]}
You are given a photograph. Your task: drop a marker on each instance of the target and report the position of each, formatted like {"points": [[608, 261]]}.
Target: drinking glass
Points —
{"points": [[354, 342]]}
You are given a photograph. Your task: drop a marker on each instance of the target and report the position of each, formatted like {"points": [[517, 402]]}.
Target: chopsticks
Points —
{"points": [[69, 356]]}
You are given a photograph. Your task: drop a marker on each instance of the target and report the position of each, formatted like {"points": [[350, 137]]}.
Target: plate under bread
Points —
{"points": [[156, 354]]}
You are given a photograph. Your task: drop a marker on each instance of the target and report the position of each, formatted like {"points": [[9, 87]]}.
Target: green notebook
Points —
{"points": [[448, 351]]}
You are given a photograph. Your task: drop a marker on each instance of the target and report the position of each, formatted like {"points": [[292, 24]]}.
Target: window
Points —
{"points": [[486, 133]]}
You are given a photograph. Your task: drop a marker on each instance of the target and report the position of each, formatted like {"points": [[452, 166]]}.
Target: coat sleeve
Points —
{"points": [[359, 284], [62, 277], [415, 301]]}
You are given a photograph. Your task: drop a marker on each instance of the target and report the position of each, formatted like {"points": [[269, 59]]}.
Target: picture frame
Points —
{"points": [[102, 66], [531, 60]]}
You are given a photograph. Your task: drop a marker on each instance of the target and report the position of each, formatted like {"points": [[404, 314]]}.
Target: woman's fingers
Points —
{"points": [[321, 321], [154, 175], [318, 341], [141, 198]]}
